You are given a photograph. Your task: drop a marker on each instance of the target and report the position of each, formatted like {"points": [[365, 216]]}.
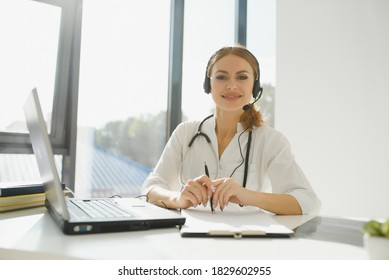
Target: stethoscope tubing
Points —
{"points": [[200, 133]]}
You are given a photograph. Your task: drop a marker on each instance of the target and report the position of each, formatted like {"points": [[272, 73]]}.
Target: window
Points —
{"points": [[38, 50], [209, 25], [261, 40], [122, 94], [28, 58]]}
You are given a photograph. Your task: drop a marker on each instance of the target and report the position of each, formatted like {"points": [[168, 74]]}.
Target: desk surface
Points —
{"points": [[32, 234]]}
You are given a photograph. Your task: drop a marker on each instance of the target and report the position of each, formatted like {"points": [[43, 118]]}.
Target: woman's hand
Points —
{"points": [[227, 190], [195, 192]]}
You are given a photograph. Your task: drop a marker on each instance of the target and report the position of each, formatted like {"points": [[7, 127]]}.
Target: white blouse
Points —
{"points": [[271, 168]]}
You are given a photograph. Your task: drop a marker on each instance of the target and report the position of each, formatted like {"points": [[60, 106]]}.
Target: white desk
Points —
{"points": [[32, 234]]}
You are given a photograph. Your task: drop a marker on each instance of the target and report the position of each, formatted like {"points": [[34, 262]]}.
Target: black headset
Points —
{"points": [[257, 89]]}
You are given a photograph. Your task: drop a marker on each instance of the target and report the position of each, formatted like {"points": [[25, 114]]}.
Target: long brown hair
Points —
{"points": [[251, 117]]}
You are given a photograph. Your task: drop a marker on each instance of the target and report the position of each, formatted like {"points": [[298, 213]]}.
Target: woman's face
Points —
{"points": [[232, 80]]}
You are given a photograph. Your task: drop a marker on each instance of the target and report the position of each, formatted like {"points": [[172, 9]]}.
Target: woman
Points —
{"points": [[247, 161]]}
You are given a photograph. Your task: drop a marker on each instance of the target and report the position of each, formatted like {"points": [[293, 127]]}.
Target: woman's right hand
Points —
{"points": [[194, 192]]}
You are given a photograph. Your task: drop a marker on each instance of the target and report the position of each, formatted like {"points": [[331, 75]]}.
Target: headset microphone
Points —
{"points": [[247, 106]]}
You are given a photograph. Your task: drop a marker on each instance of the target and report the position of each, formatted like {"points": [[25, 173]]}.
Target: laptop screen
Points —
{"points": [[44, 155]]}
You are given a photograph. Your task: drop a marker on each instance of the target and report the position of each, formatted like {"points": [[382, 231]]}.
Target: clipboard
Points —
{"points": [[236, 222]]}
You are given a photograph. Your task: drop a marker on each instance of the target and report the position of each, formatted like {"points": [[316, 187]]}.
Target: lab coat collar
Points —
{"points": [[212, 122]]}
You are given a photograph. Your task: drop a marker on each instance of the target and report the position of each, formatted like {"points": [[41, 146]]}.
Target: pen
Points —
{"points": [[207, 173]]}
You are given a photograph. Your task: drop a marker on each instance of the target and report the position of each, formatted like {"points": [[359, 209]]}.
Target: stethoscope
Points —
{"points": [[245, 160]]}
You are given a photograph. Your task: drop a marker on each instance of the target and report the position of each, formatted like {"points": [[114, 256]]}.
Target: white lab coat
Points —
{"points": [[272, 167]]}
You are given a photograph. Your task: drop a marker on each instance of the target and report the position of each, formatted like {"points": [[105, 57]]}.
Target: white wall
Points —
{"points": [[332, 99]]}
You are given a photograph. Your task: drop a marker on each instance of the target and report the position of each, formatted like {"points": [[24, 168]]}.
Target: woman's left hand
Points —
{"points": [[227, 190]]}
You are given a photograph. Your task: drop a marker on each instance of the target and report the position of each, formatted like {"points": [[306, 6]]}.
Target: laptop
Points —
{"points": [[87, 215]]}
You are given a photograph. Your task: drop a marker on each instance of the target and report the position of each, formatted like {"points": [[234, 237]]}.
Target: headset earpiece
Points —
{"points": [[256, 89]]}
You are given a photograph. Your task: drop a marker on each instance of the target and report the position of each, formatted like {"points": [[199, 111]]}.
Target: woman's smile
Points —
{"points": [[232, 96]]}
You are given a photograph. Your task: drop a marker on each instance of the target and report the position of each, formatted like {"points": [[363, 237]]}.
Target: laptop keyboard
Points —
{"points": [[103, 208]]}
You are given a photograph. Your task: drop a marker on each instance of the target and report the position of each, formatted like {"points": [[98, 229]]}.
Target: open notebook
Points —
{"points": [[234, 221]]}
